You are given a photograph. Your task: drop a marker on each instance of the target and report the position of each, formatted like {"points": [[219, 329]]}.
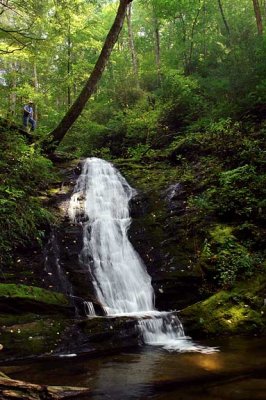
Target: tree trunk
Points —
{"points": [[36, 87], [69, 65], [188, 67], [258, 16], [157, 46], [204, 30], [14, 389], [132, 45], [223, 17], [184, 38], [12, 96], [75, 110]]}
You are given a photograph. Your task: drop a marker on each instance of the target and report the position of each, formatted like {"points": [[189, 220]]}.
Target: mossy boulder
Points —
{"points": [[241, 310], [21, 298], [29, 334], [49, 336]]}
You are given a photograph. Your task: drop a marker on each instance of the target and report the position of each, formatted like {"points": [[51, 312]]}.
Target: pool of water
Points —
{"points": [[236, 372]]}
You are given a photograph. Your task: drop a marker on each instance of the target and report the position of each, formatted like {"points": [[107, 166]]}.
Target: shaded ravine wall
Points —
{"points": [[168, 258]]}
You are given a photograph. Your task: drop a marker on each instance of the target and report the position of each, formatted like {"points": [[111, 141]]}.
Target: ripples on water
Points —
{"points": [[237, 372]]}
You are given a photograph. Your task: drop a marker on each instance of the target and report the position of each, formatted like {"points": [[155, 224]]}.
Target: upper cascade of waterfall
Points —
{"points": [[101, 199]]}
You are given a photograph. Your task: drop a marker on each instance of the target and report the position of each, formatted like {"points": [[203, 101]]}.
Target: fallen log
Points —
{"points": [[14, 389]]}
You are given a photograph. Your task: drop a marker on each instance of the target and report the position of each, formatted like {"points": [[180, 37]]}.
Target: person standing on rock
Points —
{"points": [[28, 116]]}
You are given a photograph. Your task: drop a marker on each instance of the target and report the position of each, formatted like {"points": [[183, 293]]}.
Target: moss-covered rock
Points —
{"points": [[30, 335], [32, 293], [17, 298], [238, 311]]}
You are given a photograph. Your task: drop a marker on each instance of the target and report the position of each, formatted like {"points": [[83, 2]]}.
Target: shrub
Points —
{"points": [[229, 259], [24, 173]]}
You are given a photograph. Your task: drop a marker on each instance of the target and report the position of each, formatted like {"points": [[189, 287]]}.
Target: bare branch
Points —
{"points": [[12, 51], [21, 33], [10, 8]]}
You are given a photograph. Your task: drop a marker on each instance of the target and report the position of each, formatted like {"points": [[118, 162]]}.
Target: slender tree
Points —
{"points": [[157, 44], [36, 87], [75, 110], [132, 44], [188, 67], [258, 16], [223, 17], [69, 63]]}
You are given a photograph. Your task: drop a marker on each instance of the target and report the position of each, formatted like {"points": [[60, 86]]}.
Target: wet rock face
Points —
{"points": [[139, 205], [63, 266], [175, 196], [158, 233], [65, 269], [99, 336], [49, 336]]}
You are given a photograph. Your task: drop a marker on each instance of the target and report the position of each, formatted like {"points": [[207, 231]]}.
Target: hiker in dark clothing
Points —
{"points": [[28, 116]]}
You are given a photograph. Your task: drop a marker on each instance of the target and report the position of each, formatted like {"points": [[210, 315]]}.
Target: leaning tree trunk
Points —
{"points": [[258, 16], [75, 110]]}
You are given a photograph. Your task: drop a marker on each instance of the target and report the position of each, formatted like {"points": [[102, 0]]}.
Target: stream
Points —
{"points": [[237, 372], [169, 365]]}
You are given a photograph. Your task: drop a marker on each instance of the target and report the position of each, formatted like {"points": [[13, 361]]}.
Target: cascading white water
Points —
{"points": [[89, 309], [101, 203], [120, 279]]}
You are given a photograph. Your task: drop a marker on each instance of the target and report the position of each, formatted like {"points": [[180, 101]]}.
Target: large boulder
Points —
{"points": [[241, 310]]}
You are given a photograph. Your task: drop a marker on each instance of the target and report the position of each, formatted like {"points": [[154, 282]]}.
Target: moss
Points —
{"points": [[29, 334], [11, 319], [238, 311], [32, 293], [148, 177], [221, 233], [54, 191], [2, 375]]}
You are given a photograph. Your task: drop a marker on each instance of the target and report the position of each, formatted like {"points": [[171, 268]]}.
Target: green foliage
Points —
{"points": [[88, 140], [24, 173], [230, 260], [34, 293], [137, 152], [236, 194]]}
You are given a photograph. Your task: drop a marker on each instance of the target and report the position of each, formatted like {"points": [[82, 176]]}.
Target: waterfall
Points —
{"points": [[100, 203], [89, 308]]}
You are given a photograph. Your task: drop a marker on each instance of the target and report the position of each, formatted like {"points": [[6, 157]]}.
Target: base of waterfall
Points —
{"points": [[162, 329]]}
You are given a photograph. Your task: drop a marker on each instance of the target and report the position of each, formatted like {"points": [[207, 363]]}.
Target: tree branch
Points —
{"points": [[10, 8], [223, 17], [21, 33], [12, 51]]}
